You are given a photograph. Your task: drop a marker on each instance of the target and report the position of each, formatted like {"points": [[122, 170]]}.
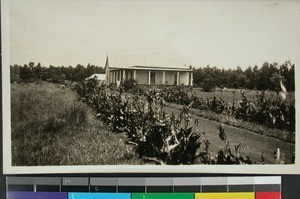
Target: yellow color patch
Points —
{"points": [[236, 195]]}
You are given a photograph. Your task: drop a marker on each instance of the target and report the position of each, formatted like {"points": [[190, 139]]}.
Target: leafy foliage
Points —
{"points": [[128, 85], [261, 78], [226, 155], [33, 73], [274, 112], [157, 136]]}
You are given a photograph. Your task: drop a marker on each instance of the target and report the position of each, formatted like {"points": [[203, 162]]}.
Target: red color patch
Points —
{"points": [[267, 195]]}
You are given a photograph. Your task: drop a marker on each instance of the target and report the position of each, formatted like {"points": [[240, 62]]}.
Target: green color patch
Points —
{"points": [[162, 196]]}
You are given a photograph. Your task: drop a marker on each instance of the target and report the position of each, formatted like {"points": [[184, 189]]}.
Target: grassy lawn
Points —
{"points": [[51, 127]]}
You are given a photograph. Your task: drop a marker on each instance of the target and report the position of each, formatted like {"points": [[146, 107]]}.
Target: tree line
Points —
{"points": [[35, 72], [267, 77]]}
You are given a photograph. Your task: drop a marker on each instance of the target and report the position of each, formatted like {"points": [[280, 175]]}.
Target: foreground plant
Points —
{"points": [[158, 137]]}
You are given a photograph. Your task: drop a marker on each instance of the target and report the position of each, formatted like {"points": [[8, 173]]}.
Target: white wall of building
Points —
{"points": [[184, 78], [142, 77]]}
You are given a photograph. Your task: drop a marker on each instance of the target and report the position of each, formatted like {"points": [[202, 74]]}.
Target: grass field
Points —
{"points": [[50, 127]]}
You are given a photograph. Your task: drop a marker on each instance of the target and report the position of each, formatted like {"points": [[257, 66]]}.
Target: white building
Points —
{"points": [[100, 77], [151, 69]]}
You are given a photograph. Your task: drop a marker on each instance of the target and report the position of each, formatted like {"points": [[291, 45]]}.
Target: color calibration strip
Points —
{"points": [[266, 187]]}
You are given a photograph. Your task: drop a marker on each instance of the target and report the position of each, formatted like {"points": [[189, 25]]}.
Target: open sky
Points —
{"points": [[198, 33]]}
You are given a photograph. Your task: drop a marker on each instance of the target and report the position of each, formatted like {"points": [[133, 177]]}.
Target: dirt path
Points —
{"points": [[254, 144]]}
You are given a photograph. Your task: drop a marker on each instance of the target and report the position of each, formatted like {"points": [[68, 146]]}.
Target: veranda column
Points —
{"points": [[178, 78], [149, 77], [124, 75], [134, 74], [164, 77], [191, 83]]}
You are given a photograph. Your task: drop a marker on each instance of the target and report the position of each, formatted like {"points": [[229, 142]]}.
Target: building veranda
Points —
{"points": [[152, 69]]}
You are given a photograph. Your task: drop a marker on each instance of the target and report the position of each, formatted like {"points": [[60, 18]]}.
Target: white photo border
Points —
{"points": [[7, 156]]}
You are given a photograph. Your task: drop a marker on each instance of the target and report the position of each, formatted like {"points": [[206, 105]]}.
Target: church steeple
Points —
{"points": [[106, 68]]}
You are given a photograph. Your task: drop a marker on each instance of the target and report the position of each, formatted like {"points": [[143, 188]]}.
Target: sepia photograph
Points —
{"points": [[151, 86]]}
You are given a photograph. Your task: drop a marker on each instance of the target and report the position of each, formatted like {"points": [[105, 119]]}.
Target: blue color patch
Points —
{"points": [[99, 196]]}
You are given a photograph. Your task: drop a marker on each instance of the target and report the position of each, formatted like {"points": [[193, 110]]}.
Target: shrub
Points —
{"points": [[128, 85]]}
